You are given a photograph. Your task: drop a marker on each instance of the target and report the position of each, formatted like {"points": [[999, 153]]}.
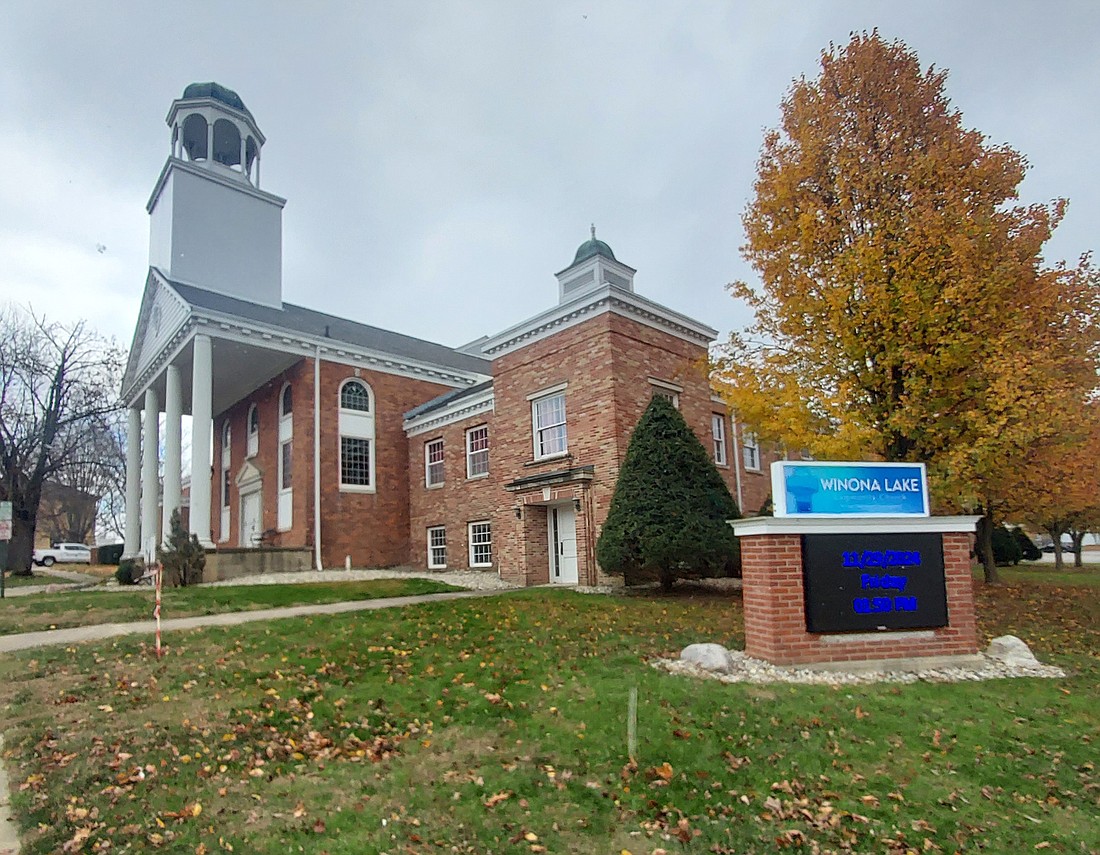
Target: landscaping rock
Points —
{"points": [[710, 657], [1012, 651]]}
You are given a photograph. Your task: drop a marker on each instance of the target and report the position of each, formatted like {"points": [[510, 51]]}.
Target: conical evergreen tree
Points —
{"points": [[669, 511]]}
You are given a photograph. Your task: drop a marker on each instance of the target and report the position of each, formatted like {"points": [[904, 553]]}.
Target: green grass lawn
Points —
{"points": [[84, 608], [39, 579], [498, 725], [1040, 572]]}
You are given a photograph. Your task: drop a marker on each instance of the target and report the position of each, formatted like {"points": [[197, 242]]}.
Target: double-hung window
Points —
{"points": [[481, 544], [356, 436], [751, 449], [437, 547], [718, 433], [548, 420], [433, 463], [477, 451]]}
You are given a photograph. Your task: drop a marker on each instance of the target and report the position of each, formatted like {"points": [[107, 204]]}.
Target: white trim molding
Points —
{"points": [[856, 525]]}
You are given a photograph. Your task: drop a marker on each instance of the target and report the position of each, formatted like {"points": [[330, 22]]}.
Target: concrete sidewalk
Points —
{"points": [[27, 640]]}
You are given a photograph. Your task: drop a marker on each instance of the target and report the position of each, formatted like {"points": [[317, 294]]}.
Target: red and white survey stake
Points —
{"points": [[158, 569]]}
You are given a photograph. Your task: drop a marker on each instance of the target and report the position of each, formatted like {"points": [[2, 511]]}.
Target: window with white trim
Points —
{"points": [[750, 448], [718, 434], [253, 431], [548, 421], [433, 463], [481, 544], [663, 389], [226, 461], [357, 462], [477, 451], [285, 510], [437, 547]]}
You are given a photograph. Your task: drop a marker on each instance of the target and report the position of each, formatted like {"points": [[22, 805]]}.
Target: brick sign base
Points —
{"points": [[775, 605]]}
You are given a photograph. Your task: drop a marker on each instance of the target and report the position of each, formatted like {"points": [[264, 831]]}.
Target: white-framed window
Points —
{"points": [[481, 544], [548, 422], [718, 434], [437, 547], [750, 448], [226, 462], [357, 464], [253, 431], [285, 510], [663, 389], [477, 452], [433, 463]]}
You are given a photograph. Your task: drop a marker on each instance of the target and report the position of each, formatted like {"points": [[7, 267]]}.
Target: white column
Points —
{"points": [[244, 163], [202, 386], [210, 143], [132, 529], [256, 183], [173, 448], [150, 452]]}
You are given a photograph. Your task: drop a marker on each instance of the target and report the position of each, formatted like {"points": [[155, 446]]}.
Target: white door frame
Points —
{"points": [[562, 519]]}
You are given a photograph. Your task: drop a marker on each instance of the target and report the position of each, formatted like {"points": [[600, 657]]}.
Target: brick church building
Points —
{"points": [[317, 436]]}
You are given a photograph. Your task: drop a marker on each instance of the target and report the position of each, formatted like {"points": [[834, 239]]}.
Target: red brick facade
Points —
{"points": [[775, 617]]}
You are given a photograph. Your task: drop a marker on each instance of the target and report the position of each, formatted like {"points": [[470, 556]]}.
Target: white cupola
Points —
{"points": [[594, 266], [211, 225]]}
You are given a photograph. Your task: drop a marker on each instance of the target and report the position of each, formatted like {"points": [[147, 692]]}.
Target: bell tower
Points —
{"points": [[211, 226]]}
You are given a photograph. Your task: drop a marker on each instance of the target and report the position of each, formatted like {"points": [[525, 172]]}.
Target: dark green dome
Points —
{"points": [[218, 93], [593, 247]]}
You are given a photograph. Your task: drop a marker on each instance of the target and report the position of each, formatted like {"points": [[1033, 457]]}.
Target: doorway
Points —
{"points": [[562, 539], [250, 519]]}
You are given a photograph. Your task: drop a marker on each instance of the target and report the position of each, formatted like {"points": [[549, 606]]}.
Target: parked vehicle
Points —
{"points": [[63, 553]]}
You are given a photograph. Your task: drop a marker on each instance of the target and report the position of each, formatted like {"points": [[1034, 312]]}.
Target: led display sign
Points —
{"points": [[831, 489], [873, 582]]}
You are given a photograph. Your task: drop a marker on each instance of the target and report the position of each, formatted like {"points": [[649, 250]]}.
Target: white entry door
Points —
{"points": [[562, 538], [250, 519]]}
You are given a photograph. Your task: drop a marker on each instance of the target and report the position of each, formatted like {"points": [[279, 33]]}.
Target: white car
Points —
{"points": [[63, 553]]}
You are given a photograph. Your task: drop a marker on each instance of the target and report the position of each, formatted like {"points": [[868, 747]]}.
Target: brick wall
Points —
{"points": [[775, 618], [373, 528]]}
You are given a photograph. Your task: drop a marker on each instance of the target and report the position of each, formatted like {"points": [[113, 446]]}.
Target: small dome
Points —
{"points": [[218, 93], [593, 247]]}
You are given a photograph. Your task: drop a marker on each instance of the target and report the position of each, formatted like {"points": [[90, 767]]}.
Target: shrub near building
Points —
{"points": [[668, 516]]}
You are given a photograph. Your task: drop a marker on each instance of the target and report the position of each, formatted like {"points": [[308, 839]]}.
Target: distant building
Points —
{"points": [[347, 440]]}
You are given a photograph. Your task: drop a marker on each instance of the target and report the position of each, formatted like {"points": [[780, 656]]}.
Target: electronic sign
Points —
{"points": [[873, 582]]}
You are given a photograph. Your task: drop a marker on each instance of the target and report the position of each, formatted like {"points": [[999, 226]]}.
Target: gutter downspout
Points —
{"points": [[737, 467], [317, 458]]}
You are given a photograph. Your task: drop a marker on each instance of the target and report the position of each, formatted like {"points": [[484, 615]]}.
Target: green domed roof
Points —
{"points": [[218, 93], [593, 247]]}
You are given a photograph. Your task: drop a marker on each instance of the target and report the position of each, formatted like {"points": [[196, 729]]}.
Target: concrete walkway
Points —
{"points": [[27, 640]]}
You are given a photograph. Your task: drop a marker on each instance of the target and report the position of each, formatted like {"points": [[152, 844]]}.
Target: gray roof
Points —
{"points": [[448, 398], [308, 322]]}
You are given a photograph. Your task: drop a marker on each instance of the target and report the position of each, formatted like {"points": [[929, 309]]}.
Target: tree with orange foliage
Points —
{"points": [[905, 313], [1057, 489]]}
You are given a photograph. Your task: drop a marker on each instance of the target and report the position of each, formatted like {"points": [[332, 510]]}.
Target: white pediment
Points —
{"points": [[163, 312], [250, 477]]}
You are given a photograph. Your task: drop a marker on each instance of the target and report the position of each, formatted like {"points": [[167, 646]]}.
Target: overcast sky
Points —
{"points": [[442, 160]]}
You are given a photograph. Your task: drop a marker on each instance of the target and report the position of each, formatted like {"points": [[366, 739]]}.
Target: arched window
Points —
{"points": [[227, 143], [194, 137], [253, 431], [227, 457], [286, 459], [356, 437], [354, 395]]}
